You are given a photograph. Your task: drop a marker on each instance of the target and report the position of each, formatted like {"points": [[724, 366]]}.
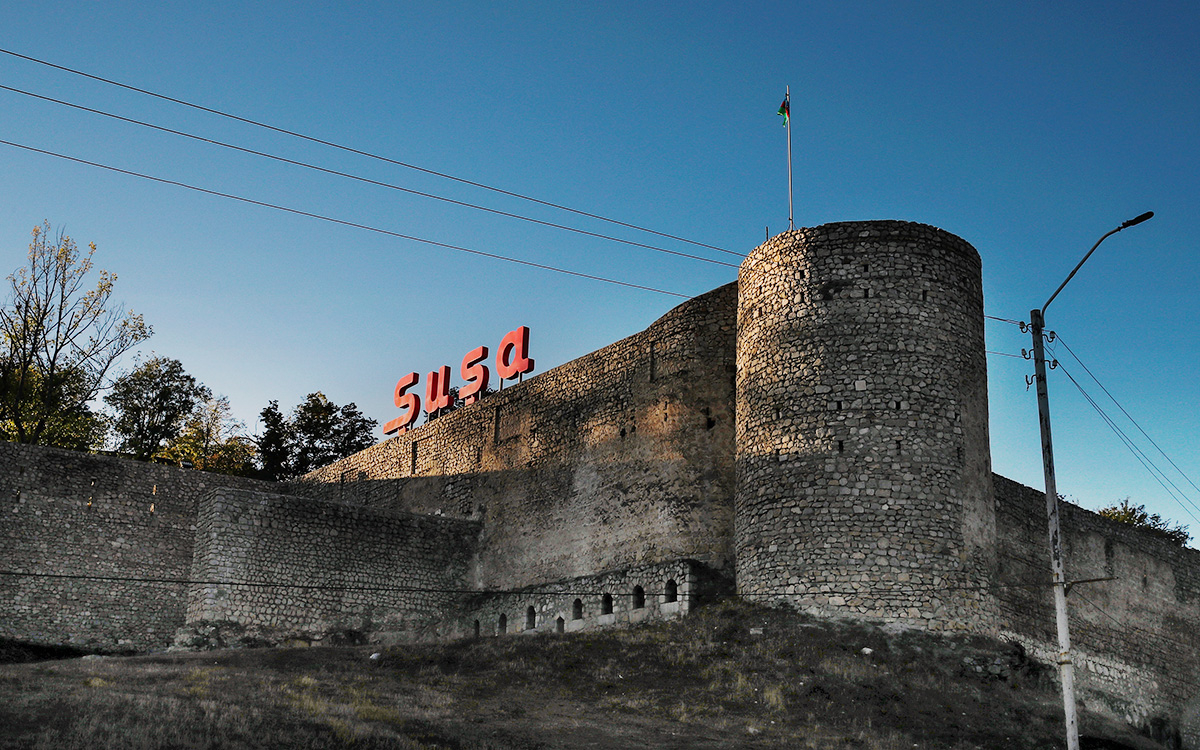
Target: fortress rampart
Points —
{"points": [[342, 567], [621, 458], [814, 435], [863, 470], [67, 516]]}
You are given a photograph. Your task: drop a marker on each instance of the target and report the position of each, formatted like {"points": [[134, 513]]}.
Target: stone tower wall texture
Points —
{"points": [[863, 482]]}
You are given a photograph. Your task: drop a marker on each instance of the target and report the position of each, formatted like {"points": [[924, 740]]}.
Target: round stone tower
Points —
{"points": [[864, 482]]}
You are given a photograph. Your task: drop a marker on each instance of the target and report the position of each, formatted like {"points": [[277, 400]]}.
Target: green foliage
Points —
{"points": [[66, 419], [151, 404], [274, 445], [212, 440], [58, 340], [318, 432], [1136, 515]]}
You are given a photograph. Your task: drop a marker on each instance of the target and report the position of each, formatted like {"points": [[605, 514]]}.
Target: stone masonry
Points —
{"points": [[863, 476], [814, 435], [309, 566], [74, 528]]}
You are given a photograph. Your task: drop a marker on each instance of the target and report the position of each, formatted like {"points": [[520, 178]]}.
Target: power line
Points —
{"points": [[1137, 452], [1129, 444], [367, 154], [1003, 354], [343, 222], [993, 317], [1127, 415], [369, 181]]}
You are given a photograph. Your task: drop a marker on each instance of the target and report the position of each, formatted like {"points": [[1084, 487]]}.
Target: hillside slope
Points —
{"points": [[730, 675]]}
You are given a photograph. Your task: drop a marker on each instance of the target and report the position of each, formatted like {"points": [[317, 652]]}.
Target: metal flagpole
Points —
{"points": [[787, 98]]}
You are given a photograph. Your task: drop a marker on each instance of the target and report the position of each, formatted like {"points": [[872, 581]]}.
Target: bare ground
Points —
{"points": [[707, 681]]}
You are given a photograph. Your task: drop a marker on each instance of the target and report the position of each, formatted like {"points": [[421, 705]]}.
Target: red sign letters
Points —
{"points": [[512, 360]]}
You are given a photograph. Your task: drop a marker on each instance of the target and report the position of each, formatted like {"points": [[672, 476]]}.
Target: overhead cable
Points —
{"points": [[343, 222], [1005, 320], [369, 181], [1158, 474], [367, 154], [1127, 415]]}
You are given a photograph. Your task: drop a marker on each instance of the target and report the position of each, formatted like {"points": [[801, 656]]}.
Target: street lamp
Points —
{"points": [[1066, 669]]}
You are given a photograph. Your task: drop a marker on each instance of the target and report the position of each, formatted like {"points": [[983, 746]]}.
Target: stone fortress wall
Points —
{"points": [[1136, 638], [74, 520], [621, 458], [822, 441], [309, 567], [863, 466]]}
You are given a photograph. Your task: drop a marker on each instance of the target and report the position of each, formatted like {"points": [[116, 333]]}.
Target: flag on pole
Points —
{"points": [[785, 110]]}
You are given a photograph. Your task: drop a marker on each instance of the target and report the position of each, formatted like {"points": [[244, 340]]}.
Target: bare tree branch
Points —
{"points": [[58, 338]]}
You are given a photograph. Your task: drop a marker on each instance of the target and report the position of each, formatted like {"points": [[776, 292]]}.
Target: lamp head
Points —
{"points": [[1137, 220]]}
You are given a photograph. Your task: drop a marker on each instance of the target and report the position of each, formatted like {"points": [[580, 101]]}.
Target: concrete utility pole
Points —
{"points": [[1066, 669]]}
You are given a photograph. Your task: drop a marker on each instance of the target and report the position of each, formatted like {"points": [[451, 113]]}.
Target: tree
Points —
{"points": [[274, 445], [318, 432], [212, 440], [151, 404], [1136, 515], [75, 427], [58, 340]]}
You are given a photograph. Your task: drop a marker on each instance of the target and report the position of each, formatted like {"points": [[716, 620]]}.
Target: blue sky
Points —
{"points": [[1028, 129]]}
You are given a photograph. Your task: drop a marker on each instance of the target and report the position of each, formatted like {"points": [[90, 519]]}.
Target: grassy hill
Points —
{"points": [[730, 675]]}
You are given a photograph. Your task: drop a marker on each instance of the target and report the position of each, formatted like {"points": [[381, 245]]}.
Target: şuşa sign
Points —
{"points": [[512, 360]]}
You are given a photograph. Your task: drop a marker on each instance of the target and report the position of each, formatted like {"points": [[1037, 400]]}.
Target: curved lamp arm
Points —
{"points": [[1126, 225]]}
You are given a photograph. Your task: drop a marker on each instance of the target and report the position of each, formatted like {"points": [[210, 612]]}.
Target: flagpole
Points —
{"points": [[787, 97]]}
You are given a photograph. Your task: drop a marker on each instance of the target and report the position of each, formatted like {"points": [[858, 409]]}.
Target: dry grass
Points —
{"points": [[703, 682]]}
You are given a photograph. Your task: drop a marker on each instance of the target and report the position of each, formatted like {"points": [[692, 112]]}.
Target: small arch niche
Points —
{"points": [[670, 591], [476, 628], [577, 610], [530, 618], [606, 604], [639, 597], [502, 625], [560, 626]]}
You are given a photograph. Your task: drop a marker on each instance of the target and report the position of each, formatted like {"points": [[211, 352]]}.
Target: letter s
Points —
{"points": [[476, 374], [404, 400]]}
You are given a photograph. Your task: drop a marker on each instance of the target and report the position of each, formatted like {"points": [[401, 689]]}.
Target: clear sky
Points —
{"points": [[1028, 129]]}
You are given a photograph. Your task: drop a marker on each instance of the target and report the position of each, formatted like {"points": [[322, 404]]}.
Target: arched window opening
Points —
{"points": [[502, 625], [577, 610], [477, 628], [560, 626], [530, 618], [672, 591], [639, 597], [606, 605]]}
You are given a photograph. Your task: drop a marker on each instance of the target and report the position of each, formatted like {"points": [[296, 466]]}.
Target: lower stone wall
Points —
{"points": [[612, 598], [309, 566], [1136, 639], [75, 529]]}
